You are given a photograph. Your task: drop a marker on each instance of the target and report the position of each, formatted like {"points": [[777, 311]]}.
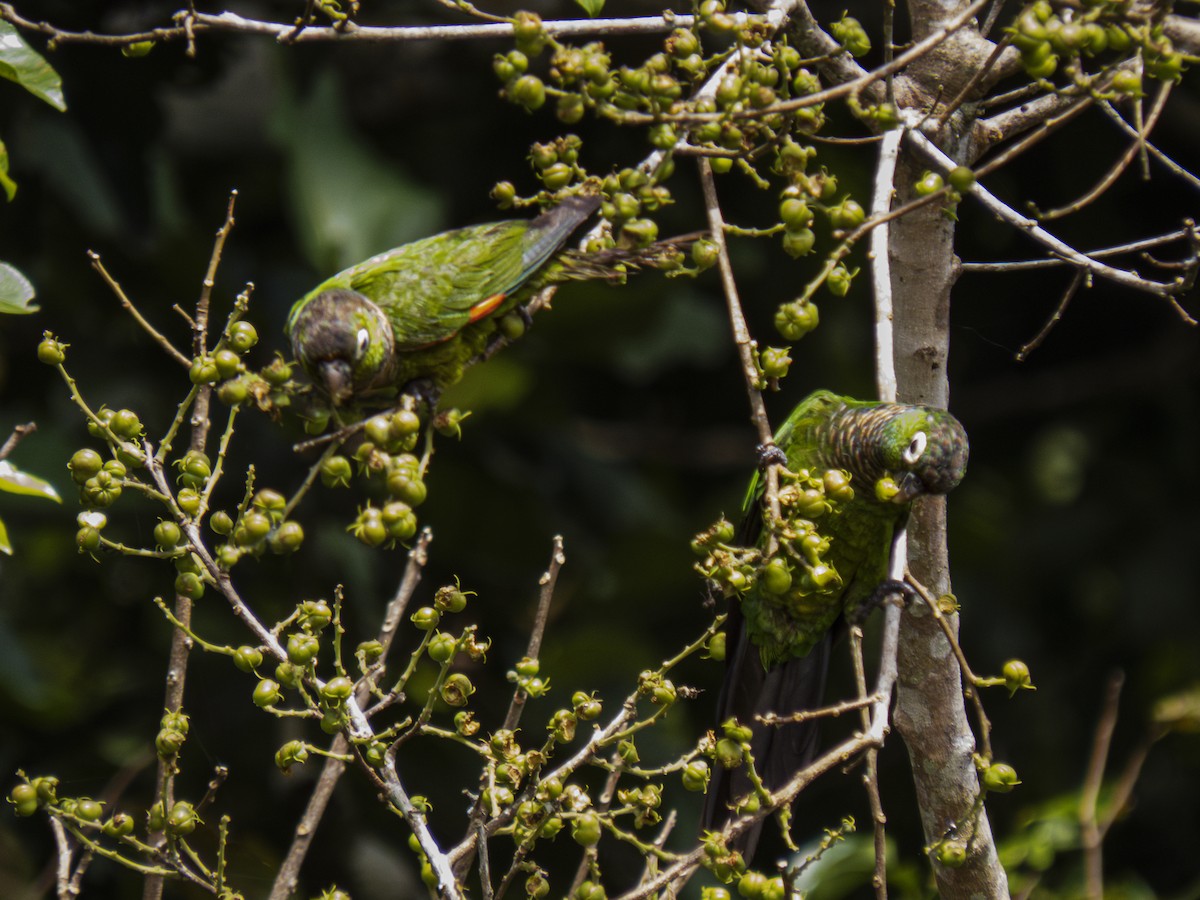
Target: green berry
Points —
{"points": [[696, 775], [167, 535], [50, 351], [242, 336], [188, 500], [456, 689], [336, 471], [84, 464], [182, 819], [1016, 676], [796, 319], [528, 91], [929, 183], [442, 647], [24, 799], [126, 424], [776, 576], [302, 648], [585, 830], [847, 214], [794, 213], [774, 362], [1000, 778], [267, 693], [247, 659], [798, 242], [426, 618], [190, 585], [337, 689], [961, 178]]}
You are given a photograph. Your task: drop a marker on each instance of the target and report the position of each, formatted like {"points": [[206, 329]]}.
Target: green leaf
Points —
{"points": [[14, 481], [15, 292], [10, 186], [5, 546], [591, 7], [21, 63]]}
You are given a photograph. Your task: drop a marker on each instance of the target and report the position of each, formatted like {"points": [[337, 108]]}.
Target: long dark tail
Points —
{"points": [[614, 263], [748, 691]]}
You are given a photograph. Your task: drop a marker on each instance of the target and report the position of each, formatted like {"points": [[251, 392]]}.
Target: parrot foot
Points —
{"points": [[425, 392], [884, 593], [769, 455]]}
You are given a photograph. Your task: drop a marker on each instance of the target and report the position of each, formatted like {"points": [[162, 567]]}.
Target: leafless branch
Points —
{"points": [[1165, 290], [288, 875], [1036, 341], [192, 24], [19, 433], [1090, 836]]}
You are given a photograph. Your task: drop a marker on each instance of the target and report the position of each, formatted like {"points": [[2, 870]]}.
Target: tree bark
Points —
{"points": [[930, 714]]}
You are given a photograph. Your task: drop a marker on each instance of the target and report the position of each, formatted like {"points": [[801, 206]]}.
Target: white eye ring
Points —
{"points": [[364, 339], [915, 448]]}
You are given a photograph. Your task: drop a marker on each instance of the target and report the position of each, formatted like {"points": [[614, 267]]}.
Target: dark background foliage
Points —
{"points": [[619, 422]]}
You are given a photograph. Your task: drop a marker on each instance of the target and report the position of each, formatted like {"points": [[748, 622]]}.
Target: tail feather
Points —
{"points": [[748, 691], [613, 264]]}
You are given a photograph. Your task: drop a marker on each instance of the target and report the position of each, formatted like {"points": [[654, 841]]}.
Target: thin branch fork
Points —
{"points": [[195, 23], [1165, 290]]}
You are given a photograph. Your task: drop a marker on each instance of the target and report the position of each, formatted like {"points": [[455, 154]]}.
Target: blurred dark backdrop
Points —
{"points": [[619, 422]]}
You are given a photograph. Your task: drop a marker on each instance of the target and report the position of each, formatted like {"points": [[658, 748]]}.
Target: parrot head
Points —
{"points": [[343, 340], [925, 449]]}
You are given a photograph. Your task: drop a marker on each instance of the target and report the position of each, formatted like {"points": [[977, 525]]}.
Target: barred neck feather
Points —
{"points": [[852, 438]]}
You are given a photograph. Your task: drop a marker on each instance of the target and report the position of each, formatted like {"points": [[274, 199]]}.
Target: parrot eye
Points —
{"points": [[364, 338], [915, 448]]}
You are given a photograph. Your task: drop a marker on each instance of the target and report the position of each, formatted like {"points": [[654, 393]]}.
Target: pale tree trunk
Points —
{"points": [[930, 713]]}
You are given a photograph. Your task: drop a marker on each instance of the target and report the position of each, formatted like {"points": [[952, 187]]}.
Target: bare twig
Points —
{"points": [[19, 433], [1036, 341], [741, 332], [870, 775], [288, 875], [192, 24], [1089, 829], [1122, 163], [1175, 168], [882, 191], [1007, 214], [1184, 233], [128, 306], [548, 580]]}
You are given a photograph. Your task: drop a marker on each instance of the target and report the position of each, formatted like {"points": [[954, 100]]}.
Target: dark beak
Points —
{"points": [[337, 379], [910, 485]]}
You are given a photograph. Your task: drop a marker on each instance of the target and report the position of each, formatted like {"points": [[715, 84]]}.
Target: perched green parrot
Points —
{"points": [[423, 310], [834, 542]]}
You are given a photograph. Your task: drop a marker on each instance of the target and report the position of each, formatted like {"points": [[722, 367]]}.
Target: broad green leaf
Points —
{"points": [[5, 546], [14, 481], [15, 291], [10, 186], [21, 63], [591, 7]]}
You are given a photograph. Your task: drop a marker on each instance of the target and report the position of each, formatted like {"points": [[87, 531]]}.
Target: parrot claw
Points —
{"points": [[769, 455], [881, 595], [425, 392]]}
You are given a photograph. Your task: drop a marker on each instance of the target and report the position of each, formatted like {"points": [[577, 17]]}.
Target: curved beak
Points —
{"points": [[910, 485], [337, 379]]}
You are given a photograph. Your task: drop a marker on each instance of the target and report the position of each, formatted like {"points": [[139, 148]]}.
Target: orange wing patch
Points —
{"points": [[485, 307]]}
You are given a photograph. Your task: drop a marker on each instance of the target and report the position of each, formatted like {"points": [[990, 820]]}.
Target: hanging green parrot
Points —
{"points": [[423, 310], [834, 541]]}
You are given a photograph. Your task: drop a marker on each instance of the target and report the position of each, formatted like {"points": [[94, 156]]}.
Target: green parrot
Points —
{"points": [[423, 310], [834, 542]]}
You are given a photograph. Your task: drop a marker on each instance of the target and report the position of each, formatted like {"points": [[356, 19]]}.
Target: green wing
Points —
{"points": [[796, 439], [433, 288]]}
